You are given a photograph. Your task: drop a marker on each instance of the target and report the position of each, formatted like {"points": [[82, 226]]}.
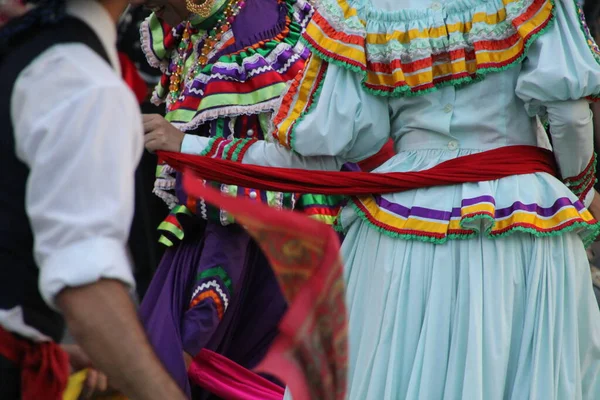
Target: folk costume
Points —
{"points": [[223, 76], [473, 290]]}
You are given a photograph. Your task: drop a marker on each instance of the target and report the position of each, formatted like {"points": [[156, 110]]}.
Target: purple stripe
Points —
{"points": [[477, 200], [243, 76], [544, 212], [429, 213]]}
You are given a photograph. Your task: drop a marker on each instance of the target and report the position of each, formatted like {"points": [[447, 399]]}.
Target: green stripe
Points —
{"points": [[271, 198], [219, 272], [325, 219], [209, 146], [181, 209], [287, 200], [236, 153], [264, 120], [158, 37], [307, 200], [220, 129], [228, 147], [169, 227], [163, 240], [228, 100]]}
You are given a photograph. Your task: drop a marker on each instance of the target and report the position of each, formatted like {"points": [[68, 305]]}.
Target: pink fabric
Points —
{"points": [[229, 380], [311, 352]]}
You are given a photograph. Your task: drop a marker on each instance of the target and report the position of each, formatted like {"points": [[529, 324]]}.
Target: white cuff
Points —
{"points": [[192, 144], [589, 197], [83, 263]]}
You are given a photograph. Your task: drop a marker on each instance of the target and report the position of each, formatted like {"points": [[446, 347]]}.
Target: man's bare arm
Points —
{"points": [[103, 320]]}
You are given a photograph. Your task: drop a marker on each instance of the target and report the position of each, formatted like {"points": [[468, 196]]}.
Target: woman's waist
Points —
{"points": [[201, 209], [465, 141], [187, 209]]}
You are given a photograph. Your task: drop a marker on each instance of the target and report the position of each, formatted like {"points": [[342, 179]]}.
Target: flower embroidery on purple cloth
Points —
{"points": [[214, 285]]}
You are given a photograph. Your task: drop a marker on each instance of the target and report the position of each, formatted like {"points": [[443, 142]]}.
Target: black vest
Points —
{"points": [[18, 270]]}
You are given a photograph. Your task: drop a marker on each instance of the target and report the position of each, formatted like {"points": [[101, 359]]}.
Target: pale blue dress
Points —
{"points": [[479, 291]]}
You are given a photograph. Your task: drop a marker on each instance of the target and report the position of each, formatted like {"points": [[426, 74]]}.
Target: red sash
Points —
{"points": [[44, 366], [485, 166]]}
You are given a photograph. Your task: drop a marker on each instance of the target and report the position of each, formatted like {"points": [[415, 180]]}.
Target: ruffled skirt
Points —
{"points": [[474, 319]]}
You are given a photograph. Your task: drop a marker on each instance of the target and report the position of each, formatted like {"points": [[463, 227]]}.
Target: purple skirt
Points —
{"points": [[215, 290]]}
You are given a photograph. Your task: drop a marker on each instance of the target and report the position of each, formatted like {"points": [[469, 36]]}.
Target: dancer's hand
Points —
{"points": [[96, 382], [160, 134]]}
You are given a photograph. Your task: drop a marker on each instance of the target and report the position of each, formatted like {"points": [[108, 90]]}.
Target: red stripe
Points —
{"points": [[330, 31], [173, 220], [245, 149], [315, 210], [536, 6], [334, 56], [583, 173], [311, 99]]}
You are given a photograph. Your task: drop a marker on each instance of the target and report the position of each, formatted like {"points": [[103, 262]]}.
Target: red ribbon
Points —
{"points": [[132, 77], [44, 366], [485, 166]]}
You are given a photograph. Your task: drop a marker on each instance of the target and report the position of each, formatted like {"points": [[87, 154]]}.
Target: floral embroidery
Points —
{"points": [[213, 285]]}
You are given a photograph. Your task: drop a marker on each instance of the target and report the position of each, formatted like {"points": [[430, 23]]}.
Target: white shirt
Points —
{"points": [[78, 128]]}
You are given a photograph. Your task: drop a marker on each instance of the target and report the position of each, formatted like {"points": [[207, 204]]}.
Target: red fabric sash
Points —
{"points": [[484, 166], [44, 366], [132, 78]]}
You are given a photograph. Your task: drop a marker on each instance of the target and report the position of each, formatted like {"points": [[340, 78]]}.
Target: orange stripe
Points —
{"points": [[209, 294]]}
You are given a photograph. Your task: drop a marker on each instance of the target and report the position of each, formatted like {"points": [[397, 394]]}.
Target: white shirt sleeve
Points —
{"points": [[80, 133]]}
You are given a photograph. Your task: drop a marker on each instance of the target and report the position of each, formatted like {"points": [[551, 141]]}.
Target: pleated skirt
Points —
{"points": [[473, 319]]}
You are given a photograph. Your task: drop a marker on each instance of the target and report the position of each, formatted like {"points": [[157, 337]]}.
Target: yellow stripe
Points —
{"points": [[441, 31], [461, 66], [326, 219], [442, 228], [313, 30], [478, 208], [311, 72], [558, 219], [348, 11]]}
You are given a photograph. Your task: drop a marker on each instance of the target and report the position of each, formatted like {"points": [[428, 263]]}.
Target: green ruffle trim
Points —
{"points": [[405, 91], [592, 229]]}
